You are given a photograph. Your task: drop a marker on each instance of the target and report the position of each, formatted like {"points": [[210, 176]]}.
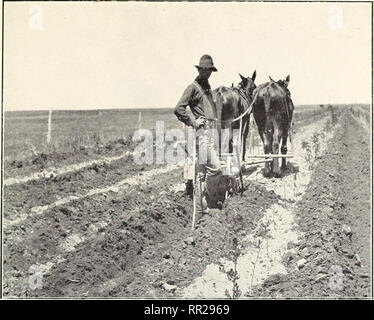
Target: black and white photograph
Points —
{"points": [[198, 151]]}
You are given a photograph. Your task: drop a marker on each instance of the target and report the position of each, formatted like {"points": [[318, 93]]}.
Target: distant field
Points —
{"points": [[25, 132]]}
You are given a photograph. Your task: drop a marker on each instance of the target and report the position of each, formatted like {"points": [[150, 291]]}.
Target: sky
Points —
{"points": [[82, 55]]}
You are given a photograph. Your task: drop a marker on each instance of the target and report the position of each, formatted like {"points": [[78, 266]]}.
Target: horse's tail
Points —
{"points": [[267, 99], [221, 97], [218, 100]]}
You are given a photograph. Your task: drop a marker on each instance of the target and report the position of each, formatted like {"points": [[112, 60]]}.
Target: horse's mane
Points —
{"points": [[273, 84]]}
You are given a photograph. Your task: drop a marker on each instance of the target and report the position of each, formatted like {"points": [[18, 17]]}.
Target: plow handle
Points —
{"points": [[194, 186]]}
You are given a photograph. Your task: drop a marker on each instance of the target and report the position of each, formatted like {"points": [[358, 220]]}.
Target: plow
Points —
{"points": [[232, 164]]}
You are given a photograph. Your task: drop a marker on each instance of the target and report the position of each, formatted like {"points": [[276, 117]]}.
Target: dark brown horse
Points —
{"points": [[231, 103], [272, 112]]}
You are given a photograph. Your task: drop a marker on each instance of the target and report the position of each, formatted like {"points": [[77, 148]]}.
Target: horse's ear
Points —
{"points": [[254, 76], [288, 78], [271, 79], [243, 78]]}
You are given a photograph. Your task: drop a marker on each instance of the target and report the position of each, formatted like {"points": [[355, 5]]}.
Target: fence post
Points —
{"points": [[140, 120], [49, 126]]}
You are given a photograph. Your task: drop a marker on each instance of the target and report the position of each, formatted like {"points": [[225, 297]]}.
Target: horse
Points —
{"points": [[231, 103], [272, 111]]}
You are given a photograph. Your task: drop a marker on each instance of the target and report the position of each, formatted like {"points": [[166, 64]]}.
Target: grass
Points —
{"points": [[25, 133]]}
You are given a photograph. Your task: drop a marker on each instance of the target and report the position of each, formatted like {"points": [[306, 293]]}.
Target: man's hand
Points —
{"points": [[198, 122]]}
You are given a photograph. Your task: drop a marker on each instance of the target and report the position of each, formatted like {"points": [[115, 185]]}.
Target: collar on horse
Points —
{"points": [[244, 96]]}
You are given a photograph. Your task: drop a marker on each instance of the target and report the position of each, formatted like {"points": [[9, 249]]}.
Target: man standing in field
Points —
{"points": [[198, 96]]}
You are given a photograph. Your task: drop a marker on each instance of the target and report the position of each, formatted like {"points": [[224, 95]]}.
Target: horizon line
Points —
{"points": [[147, 108]]}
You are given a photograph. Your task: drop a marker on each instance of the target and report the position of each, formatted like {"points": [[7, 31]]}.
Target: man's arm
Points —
{"points": [[180, 109]]}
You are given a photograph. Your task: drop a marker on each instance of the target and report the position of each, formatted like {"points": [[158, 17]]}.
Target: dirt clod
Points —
{"points": [[301, 263], [169, 287], [189, 241], [347, 230]]}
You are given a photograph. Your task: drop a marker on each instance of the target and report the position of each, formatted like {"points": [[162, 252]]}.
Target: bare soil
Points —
{"points": [[338, 196], [134, 241]]}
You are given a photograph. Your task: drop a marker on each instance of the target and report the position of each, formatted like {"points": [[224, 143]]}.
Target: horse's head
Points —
{"points": [[248, 83], [283, 83]]}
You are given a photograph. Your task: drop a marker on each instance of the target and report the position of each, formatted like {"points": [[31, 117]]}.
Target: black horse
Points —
{"points": [[231, 103], [272, 112]]}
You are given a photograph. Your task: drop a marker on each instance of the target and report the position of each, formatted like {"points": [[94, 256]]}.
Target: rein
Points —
{"points": [[243, 94], [246, 111]]}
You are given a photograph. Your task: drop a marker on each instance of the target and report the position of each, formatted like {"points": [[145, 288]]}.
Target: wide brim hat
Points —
{"points": [[206, 62]]}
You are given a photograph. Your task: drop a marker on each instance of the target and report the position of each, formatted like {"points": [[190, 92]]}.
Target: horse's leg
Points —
{"points": [[245, 136], [261, 134], [219, 131], [284, 149], [268, 134], [267, 140], [263, 131], [276, 139], [231, 139]]}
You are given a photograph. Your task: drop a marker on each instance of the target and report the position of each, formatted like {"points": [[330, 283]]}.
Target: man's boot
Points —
{"points": [[204, 204]]}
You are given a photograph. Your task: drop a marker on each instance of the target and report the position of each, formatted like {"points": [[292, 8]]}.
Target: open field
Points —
{"points": [[82, 132], [115, 228], [25, 133]]}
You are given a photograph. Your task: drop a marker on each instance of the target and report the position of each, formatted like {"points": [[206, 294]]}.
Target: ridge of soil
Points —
{"points": [[142, 250], [40, 161], [21, 198], [338, 196]]}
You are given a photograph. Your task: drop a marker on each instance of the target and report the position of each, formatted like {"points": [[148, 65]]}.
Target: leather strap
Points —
{"points": [[209, 114]]}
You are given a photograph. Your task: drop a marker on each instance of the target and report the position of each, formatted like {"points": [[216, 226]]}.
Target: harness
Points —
{"points": [[246, 99], [243, 95], [213, 119], [209, 113]]}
